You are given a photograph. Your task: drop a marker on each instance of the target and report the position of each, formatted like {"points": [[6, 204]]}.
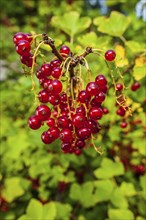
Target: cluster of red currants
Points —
{"points": [[71, 116], [23, 42]]}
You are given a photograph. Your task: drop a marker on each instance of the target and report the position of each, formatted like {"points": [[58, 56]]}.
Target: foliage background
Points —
{"points": [[39, 182]]}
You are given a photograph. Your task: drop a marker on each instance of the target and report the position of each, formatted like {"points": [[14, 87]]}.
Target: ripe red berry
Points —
{"points": [[119, 87], [55, 86], [95, 113], [92, 88], [43, 96], [110, 55], [94, 126], [66, 147], [78, 120], [46, 138], [27, 60], [63, 122], [29, 37], [65, 51], [43, 112], [105, 111], [53, 132], [66, 135], [55, 63], [34, 122], [101, 81], [135, 86], [121, 111], [56, 72], [84, 133], [18, 37], [46, 69], [100, 97], [83, 96], [80, 143], [23, 48], [54, 99], [50, 122], [123, 124]]}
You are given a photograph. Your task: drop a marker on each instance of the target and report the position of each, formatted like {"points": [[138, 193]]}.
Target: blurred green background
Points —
{"points": [[40, 182]]}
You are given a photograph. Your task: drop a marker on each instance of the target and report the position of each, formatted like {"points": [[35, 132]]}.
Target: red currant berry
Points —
{"points": [[43, 96], [53, 132], [63, 122], [94, 126], [119, 87], [18, 37], [92, 88], [121, 111], [34, 122], [66, 135], [27, 60], [55, 63], [95, 113], [123, 124], [50, 122], [81, 110], [100, 97], [63, 97], [43, 112], [29, 37], [78, 120], [101, 81], [83, 96], [105, 111], [56, 72], [23, 48], [46, 69], [65, 147], [110, 55], [135, 86], [55, 86], [65, 51], [46, 138], [80, 143], [46, 84], [83, 133], [54, 99]]}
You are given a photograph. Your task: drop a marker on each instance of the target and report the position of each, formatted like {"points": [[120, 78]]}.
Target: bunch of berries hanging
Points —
{"points": [[70, 110]]}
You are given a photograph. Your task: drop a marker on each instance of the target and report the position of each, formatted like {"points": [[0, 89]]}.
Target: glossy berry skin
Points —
{"points": [[46, 69], [135, 86], [83, 96], [105, 111], [53, 132], [66, 147], [66, 135], [95, 113], [50, 122], [43, 112], [83, 133], [46, 138], [54, 99], [121, 111], [56, 72], [63, 122], [81, 110], [55, 87], [23, 48], [43, 96], [100, 97], [55, 63], [18, 37], [92, 88], [29, 37], [101, 81], [119, 87], [34, 122], [27, 60], [94, 126], [78, 120], [110, 55], [65, 51], [80, 143]]}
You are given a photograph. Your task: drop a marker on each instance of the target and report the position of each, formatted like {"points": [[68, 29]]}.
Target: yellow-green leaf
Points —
{"points": [[139, 72]]}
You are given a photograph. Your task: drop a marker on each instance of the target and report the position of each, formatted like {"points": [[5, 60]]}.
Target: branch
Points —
{"points": [[50, 42]]}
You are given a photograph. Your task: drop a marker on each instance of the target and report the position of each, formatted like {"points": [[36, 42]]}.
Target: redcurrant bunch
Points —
{"points": [[70, 110]]}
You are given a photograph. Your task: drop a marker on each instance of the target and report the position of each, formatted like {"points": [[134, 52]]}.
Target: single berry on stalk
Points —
{"points": [[110, 55]]}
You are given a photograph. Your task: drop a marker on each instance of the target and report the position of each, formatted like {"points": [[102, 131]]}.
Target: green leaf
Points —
{"points": [[134, 46], [92, 40], [34, 209], [139, 72], [49, 211], [127, 189], [46, 47], [109, 169], [24, 217], [63, 211], [115, 25], [104, 190], [118, 199], [71, 23], [120, 214], [100, 19], [12, 189]]}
